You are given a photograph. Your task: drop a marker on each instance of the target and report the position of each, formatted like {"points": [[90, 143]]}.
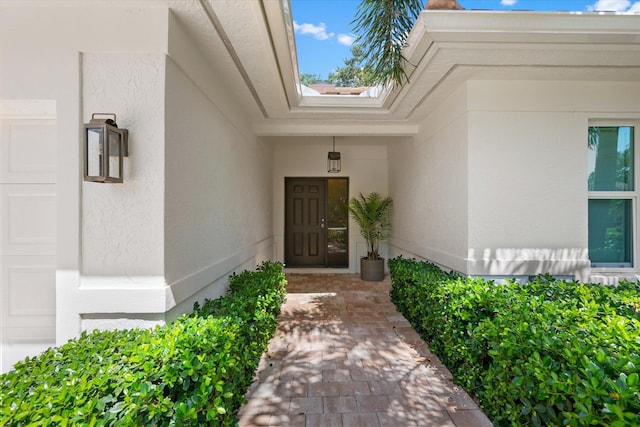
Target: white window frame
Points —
{"points": [[623, 195]]}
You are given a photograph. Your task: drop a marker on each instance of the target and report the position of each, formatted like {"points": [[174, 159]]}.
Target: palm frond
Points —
{"points": [[383, 27]]}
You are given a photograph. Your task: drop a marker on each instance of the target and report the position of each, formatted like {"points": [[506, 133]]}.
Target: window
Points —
{"points": [[337, 222], [612, 196]]}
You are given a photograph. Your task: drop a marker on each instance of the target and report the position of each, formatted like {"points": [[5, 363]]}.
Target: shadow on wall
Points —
{"points": [[522, 263], [503, 263]]}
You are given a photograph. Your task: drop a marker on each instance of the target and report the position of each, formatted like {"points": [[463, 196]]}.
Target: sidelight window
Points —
{"points": [[337, 222]]}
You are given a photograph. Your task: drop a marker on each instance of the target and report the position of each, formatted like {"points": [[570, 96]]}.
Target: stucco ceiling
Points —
{"points": [[249, 44]]}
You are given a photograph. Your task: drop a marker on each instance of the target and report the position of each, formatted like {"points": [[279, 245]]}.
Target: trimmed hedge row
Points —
{"points": [[191, 372], [546, 353]]}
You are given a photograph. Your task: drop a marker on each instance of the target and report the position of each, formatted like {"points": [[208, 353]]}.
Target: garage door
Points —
{"points": [[28, 153]]}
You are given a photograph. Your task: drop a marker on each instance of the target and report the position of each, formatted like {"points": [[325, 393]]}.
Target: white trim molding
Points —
{"points": [[110, 302]]}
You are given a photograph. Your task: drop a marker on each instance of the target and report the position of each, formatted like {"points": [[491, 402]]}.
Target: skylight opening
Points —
{"points": [[329, 61]]}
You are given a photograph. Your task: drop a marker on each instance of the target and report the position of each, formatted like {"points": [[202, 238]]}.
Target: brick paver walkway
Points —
{"points": [[343, 356]]}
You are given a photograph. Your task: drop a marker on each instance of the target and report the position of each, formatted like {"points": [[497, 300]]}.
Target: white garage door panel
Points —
{"points": [[27, 154], [28, 228], [30, 289], [29, 219], [28, 292], [24, 342]]}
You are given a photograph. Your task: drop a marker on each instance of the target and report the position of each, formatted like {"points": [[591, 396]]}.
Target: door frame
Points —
{"points": [[326, 228]]}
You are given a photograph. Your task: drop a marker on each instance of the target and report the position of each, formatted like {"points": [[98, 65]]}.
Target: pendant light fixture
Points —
{"points": [[333, 160]]}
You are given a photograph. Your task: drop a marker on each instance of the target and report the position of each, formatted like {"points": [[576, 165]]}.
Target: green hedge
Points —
{"points": [[545, 353], [191, 372]]}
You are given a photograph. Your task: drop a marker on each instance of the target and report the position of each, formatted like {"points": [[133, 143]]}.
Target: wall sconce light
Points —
{"points": [[105, 145], [333, 160]]}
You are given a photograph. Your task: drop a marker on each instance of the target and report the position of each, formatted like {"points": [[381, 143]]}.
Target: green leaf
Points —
{"points": [[615, 410], [119, 406]]}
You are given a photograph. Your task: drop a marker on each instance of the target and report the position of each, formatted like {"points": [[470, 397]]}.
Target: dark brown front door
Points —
{"points": [[305, 216]]}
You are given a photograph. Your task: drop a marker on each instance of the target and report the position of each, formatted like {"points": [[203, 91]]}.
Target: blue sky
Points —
{"points": [[324, 34]]}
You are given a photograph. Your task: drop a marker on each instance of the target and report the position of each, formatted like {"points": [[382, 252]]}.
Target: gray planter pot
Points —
{"points": [[372, 270]]}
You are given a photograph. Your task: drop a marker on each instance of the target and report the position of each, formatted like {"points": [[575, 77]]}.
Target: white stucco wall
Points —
{"points": [[528, 172], [122, 224], [428, 183], [494, 184], [47, 64], [218, 214], [364, 162], [196, 201]]}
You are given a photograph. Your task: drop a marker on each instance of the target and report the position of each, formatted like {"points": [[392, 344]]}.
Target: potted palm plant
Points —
{"points": [[372, 213]]}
